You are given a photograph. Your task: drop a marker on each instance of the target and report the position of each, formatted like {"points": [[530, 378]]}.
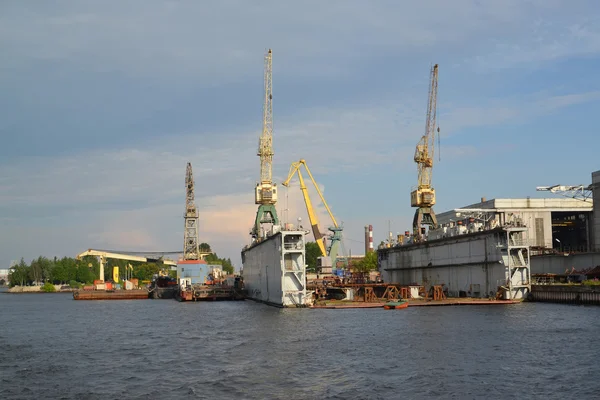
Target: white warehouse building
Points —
{"points": [[559, 223]]}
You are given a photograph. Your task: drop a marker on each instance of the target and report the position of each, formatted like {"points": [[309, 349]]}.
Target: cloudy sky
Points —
{"points": [[102, 104]]}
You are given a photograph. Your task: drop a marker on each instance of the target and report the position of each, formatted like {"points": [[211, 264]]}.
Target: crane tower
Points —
{"points": [[423, 196], [191, 249], [266, 190]]}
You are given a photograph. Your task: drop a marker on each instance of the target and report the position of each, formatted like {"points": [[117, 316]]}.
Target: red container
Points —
{"points": [[109, 286]]}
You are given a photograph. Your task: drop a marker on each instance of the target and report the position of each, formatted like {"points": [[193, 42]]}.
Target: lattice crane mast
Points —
{"points": [[266, 190], [191, 250], [423, 196], [332, 249]]}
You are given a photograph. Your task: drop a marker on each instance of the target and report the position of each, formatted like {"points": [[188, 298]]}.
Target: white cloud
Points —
{"points": [[133, 199], [224, 40]]}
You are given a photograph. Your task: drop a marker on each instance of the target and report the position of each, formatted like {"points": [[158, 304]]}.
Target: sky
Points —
{"points": [[102, 104]]}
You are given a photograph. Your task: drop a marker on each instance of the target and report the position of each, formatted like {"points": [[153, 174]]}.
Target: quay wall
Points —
{"points": [[569, 294]]}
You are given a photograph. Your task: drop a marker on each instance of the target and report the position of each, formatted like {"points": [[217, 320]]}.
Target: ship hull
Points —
{"points": [[274, 270]]}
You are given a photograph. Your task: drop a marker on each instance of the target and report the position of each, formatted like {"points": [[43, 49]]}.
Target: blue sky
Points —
{"points": [[102, 104]]}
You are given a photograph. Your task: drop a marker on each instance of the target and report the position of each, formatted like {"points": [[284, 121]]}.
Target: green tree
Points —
{"points": [[368, 263], [74, 284], [205, 247], [36, 274], [59, 271], [48, 287], [84, 273], [19, 274], [223, 262], [312, 252]]}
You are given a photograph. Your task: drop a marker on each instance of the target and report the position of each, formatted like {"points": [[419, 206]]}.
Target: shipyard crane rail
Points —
{"points": [[265, 194], [104, 255], [423, 196], [578, 192], [332, 249]]}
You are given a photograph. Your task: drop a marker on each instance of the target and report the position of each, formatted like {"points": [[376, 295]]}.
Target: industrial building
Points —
{"points": [[569, 258], [552, 223], [494, 245], [197, 271], [4, 275]]}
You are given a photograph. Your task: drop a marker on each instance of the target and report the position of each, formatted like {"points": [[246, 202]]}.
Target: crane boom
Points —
{"points": [[423, 196], [266, 191], [103, 255], [578, 192], [265, 144], [331, 250], [312, 215]]}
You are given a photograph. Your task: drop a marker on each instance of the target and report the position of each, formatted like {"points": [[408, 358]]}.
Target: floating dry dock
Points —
{"points": [[137, 294]]}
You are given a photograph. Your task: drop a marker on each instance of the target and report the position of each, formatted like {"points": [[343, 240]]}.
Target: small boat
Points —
{"points": [[395, 305]]}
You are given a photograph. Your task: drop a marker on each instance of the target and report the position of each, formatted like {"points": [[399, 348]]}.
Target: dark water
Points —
{"points": [[54, 347]]}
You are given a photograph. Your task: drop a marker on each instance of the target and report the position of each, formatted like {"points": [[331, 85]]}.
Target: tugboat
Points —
{"points": [[162, 287]]}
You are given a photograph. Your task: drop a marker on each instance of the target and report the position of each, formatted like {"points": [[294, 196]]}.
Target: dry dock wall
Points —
{"points": [[475, 264], [559, 263], [274, 270]]}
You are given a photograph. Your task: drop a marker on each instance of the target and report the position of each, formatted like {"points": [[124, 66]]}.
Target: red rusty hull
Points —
{"points": [[209, 292], [140, 294]]}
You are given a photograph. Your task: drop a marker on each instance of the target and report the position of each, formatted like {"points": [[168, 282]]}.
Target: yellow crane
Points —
{"points": [[423, 196], [332, 249], [266, 190]]}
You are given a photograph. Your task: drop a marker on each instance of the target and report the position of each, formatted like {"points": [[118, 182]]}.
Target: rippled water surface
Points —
{"points": [[54, 347]]}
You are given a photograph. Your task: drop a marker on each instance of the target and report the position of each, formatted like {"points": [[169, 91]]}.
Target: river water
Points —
{"points": [[54, 347]]}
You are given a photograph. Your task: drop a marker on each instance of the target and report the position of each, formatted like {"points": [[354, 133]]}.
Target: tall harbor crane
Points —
{"points": [[423, 196], [333, 246], [191, 250], [266, 190]]}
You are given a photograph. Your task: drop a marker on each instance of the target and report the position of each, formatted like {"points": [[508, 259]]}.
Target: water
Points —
{"points": [[54, 347]]}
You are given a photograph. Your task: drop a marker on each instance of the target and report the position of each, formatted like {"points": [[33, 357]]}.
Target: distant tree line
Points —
{"points": [[68, 270], [58, 271], [213, 258]]}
